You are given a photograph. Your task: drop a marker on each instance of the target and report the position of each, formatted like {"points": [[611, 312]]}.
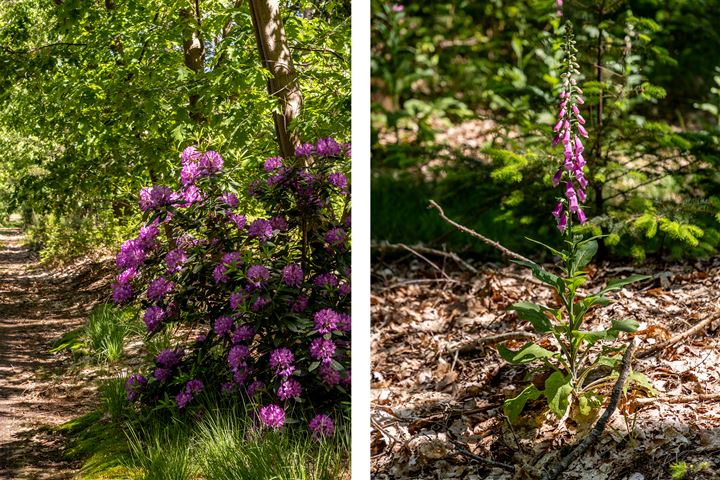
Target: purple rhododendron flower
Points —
{"points": [[175, 259], [272, 416], [238, 220], [155, 197], [322, 349], [240, 375], [211, 162], [328, 147], [329, 375], [273, 163], [232, 259], [126, 276], [254, 387], [158, 288], [326, 320], [304, 150], [134, 386], [261, 229], [344, 289], [236, 299], [243, 333], [289, 388], [153, 317], [131, 254], [219, 274], [300, 304], [223, 325], [281, 360], [292, 275], [121, 293], [258, 274], [168, 358], [336, 237], [230, 199], [191, 387], [146, 237], [162, 374], [344, 322], [192, 194], [339, 180], [279, 223], [322, 426], [237, 355], [326, 280], [259, 304]]}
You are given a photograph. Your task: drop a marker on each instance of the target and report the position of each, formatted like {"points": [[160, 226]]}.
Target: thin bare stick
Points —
{"points": [[700, 397], [681, 336], [477, 343], [429, 251], [419, 255], [563, 464], [472, 232], [459, 448]]}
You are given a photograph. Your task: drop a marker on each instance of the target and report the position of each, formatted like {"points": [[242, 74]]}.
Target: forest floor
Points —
{"points": [[434, 389], [40, 390]]}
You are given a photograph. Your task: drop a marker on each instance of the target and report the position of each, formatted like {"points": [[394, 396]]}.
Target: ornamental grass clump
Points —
{"points": [[253, 287], [574, 367]]}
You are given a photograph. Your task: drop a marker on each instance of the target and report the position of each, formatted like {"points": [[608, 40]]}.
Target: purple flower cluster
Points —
{"points": [[569, 128], [243, 333], [154, 316], [273, 163], [237, 356], [336, 237], [272, 416], [322, 349], [223, 325], [257, 275], [196, 165], [166, 362], [134, 386], [281, 360], [326, 320], [261, 229], [152, 198], [292, 275], [158, 288], [289, 388], [322, 426], [186, 395], [175, 259], [328, 147]]}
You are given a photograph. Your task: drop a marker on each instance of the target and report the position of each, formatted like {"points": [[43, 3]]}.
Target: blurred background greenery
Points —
{"points": [[464, 100]]}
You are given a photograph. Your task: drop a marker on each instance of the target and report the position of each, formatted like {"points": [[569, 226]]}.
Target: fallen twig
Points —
{"points": [[460, 448], [472, 232], [419, 255], [563, 464], [700, 397], [429, 251], [477, 343], [681, 336]]}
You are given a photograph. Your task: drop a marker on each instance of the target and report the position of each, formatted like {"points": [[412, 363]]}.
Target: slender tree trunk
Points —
{"points": [[193, 50], [275, 56]]}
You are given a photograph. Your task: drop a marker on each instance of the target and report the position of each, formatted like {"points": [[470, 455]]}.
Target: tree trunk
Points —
{"points": [[275, 56], [193, 50]]}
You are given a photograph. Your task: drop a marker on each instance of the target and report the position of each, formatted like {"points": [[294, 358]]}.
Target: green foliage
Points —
{"points": [[97, 101], [574, 359], [107, 330], [652, 157]]}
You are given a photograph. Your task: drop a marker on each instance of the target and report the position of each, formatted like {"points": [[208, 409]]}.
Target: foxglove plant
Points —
{"points": [[573, 361], [254, 289]]}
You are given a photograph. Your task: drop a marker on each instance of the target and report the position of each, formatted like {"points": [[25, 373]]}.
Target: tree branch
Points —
{"points": [[473, 233]]}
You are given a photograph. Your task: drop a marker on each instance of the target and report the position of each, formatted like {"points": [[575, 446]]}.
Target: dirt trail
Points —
{"points": [[38, 389]]}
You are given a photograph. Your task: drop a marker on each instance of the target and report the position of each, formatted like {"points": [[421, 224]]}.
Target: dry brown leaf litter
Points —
{"points": [[424, 395]]}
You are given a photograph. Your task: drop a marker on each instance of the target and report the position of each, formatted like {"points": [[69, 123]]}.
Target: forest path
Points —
{"points": [[38, 389]]}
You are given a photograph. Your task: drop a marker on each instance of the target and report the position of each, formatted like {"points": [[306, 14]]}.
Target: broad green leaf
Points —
{"points": [[513, 406], [543, 275], [606, 361], [556, 252], [557, 390], [535, 314], [593, 336], [592, 300], [618, 283], [641, 380], [584, 254], [528, 353]]}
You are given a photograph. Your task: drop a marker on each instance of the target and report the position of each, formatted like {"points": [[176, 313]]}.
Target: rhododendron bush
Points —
{"points": [[251, 281]]}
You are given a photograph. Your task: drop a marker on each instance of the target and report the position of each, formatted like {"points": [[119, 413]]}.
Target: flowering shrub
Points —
{"points": [[574, 360], [256, 298]]}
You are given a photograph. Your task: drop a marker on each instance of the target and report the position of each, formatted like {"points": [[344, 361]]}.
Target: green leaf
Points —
{"points": [[557, 390], [543, 275], [641, 380], [584, 254], [528, 353], [618, 283], [556, 252], [535, 314], [513, 406]]}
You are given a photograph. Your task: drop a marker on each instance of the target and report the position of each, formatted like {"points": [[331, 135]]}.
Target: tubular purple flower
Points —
{"points": [[558, 210], [582, 131], [581, 216], [562, 223]]}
